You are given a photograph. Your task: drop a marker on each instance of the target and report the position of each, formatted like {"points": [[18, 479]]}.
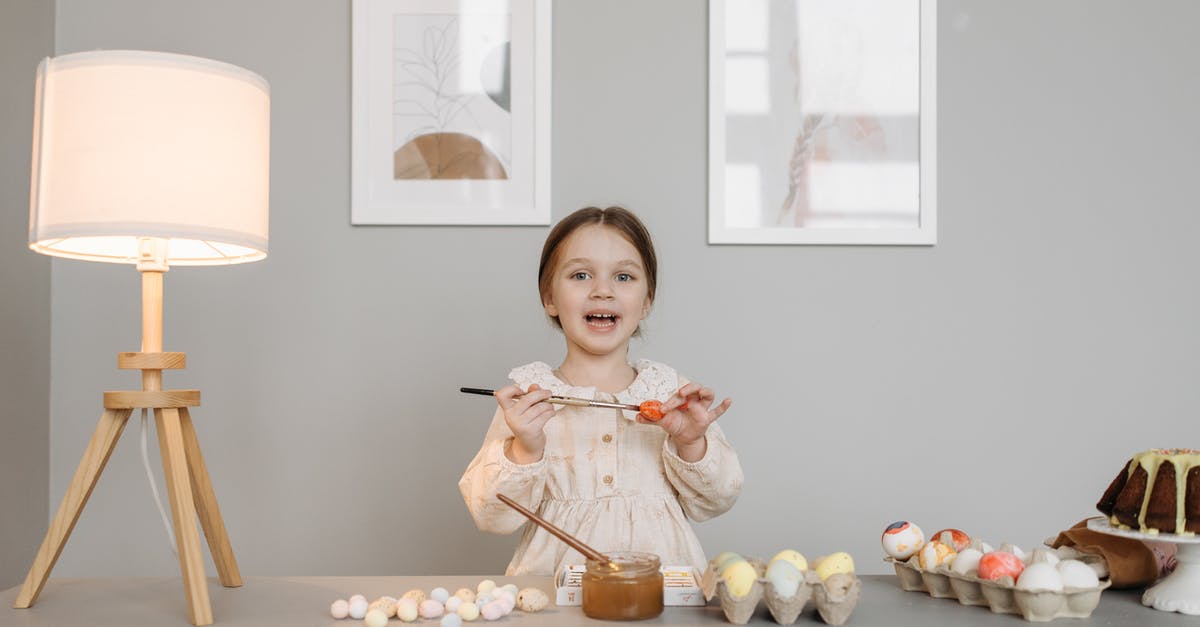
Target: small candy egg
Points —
{"points": [[902, 539], [839, 562], [507, 602], [739, 578], [784, 577], [340, 609], [955, 538], [375, 618], [466, 594], [439, 594], [792, 557], [452, 604], [452, 620], [385, 604], [485, 586], [499, 593], [416, 595], [1040, 576], [532, 600], [358, 606], [484, 599], [511, 587], [430, 608], [491, 611], [966, 561], [998, 564], [357, 596], [468, 611], [1076, 574], [934, 554], [406, 610]]}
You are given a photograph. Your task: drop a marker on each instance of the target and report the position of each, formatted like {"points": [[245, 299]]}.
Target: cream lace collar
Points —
{"points": [[653, 381]]}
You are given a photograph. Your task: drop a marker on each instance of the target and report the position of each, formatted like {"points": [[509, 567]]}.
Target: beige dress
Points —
{"points": [[611, 482]]}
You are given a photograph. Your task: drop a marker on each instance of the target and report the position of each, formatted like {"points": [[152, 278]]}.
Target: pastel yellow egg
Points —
{"points": [[792, 557], [739, 577], [839, 562], [722, 559]]}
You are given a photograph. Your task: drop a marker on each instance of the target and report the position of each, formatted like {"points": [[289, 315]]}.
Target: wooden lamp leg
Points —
{"points": [[207, 508], [183, 514], [95, 457]]}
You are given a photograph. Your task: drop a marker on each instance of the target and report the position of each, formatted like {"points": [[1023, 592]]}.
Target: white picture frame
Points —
{"points": [[450, 112], [822, 122]]}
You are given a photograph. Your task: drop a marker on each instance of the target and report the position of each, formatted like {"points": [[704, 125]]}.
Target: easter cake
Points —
{"points": [[1156, 491]]}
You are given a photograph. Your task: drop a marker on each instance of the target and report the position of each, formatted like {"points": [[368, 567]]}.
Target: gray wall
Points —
{"points": [[994, 382], [26, 36]]}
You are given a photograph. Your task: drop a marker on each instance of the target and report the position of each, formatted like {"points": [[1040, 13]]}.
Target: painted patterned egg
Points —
{"points": [[955, 538], [902, 539]]}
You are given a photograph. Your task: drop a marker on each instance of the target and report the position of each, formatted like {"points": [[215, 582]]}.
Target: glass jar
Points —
{"points": [[631, 591]]}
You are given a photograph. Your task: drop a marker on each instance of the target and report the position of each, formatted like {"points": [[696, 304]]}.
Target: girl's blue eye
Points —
{"points": [[624, 276], [580, 276]]}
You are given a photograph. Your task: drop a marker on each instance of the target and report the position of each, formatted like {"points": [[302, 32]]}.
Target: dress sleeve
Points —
{"points": [[492, 471], [709, 487]]}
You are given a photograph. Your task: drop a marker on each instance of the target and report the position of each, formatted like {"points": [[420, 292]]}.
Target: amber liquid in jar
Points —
{"points": [[631, 591]]}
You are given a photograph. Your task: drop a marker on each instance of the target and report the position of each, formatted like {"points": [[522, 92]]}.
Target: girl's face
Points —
{"points": [[598, 290]]}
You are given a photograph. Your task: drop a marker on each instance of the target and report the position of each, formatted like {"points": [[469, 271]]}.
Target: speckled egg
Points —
{"points": [[792, 557], [340, 609], [839, 562], [466, 594], [739, 577], [784, 577], [532, 600], [416, 595], [1040, 576], [385, 604], [902, 539]]}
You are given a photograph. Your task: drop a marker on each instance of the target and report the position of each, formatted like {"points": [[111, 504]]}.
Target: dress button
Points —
{"points": [[607, 438], [607, 479]]}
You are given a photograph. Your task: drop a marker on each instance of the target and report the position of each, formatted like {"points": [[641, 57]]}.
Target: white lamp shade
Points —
{"points": [[133, 144]]}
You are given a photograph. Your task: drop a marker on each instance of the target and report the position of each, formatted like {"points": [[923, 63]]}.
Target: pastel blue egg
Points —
{"points": [[452, 620], [784, 577], [439, 594]]}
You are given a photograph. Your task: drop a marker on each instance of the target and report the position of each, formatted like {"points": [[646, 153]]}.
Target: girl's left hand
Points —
{"points": [[687, 414]]}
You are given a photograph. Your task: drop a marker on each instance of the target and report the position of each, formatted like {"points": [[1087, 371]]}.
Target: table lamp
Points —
{"points": [[152, 159]]}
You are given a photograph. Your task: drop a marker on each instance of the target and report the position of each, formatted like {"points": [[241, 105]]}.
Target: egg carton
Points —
{"points": [[834, 598], [1001, 595]]}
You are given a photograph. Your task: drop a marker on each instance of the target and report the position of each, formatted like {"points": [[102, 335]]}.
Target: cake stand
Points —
{"points": [[1177, 592]]}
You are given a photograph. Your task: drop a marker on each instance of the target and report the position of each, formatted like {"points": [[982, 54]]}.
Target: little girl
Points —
{"points": [[610, 477]]}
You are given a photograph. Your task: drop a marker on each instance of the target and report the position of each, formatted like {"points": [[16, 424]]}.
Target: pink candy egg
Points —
{"points": [[492, 611], [999, 564], [431, 609]]}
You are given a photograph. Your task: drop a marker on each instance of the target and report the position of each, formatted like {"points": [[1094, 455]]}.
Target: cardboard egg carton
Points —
{"points": [[834, 598], [1001, 595]]}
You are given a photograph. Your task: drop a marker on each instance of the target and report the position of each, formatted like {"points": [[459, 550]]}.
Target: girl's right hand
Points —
{"points": [[526, 413]]}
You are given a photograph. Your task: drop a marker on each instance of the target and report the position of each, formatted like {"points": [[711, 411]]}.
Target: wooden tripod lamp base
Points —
{"points": [[187, 479]]}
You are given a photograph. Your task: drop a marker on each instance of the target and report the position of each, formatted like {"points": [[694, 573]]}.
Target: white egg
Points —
{"points": [[1040, 576], [1076, 574], [340, 609], [784, 577], [358, 606], [966, 562]]}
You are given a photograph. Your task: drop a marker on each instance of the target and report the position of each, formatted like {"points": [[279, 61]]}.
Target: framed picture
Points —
{"points": [[822, 122], [450, 112]]}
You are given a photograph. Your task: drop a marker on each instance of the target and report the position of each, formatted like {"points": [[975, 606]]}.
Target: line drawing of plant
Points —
{"points": [[430, 67]]}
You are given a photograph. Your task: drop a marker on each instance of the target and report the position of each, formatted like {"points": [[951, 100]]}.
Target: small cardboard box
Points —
{"points": [[681, 585]]}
